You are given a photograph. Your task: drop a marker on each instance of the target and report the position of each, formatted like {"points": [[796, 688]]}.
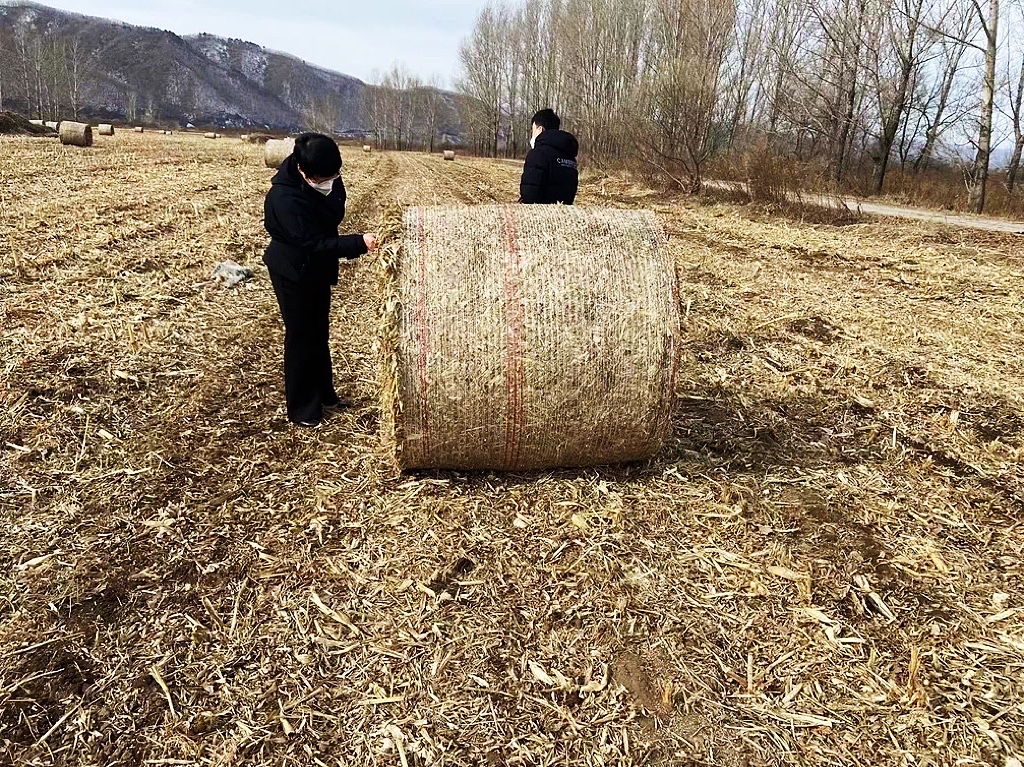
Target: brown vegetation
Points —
{"points": [[822, 568]]}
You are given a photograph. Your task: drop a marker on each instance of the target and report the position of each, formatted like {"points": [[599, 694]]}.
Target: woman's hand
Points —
{"points": [[371, 242]]}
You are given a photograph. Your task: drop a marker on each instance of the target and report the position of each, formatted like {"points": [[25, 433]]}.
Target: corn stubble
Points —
{"points": [[822, 567]]}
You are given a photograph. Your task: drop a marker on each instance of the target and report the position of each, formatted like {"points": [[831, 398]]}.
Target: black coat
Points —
{"points": [[303, 226], [550, 173]]}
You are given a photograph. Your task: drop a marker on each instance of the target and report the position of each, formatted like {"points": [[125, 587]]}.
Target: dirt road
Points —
{"points": [[861, 205]]}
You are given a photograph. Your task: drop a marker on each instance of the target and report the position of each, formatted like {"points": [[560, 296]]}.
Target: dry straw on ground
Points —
{"points": [[524, 337], [75, 134], [276, 151], [823, 568]]}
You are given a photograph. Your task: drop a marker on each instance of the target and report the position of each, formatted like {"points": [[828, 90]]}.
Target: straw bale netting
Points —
{"points": [[367, 148], [526, 337], [277, 150], [105, 129], [75, 134], [449, 154]]}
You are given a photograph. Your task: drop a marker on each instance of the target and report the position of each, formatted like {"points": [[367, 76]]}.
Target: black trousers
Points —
{"points": [[308, 377]]}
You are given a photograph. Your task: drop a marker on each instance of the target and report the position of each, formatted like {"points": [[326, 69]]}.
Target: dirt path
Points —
{"points": [[986, 223]]}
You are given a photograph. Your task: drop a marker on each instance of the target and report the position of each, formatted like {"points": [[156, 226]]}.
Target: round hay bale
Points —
{"points": [[527, 336], [52, 125], [277, 150], [367, 148], [75, 134], [210, 135], [449, 154], [140, 130], [244, 137], [105, 129], [36, 122]]}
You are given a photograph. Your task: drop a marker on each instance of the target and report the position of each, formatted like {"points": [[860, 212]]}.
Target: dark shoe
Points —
{"points": [[307, 424], [338, 404]]}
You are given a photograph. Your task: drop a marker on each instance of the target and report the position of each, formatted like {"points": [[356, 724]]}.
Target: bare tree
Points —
{"points": [[1015, 107], [989, 22]]}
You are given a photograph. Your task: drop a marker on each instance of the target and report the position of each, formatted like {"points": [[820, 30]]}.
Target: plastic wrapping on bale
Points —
{"points": [[75, 134], [277, 150], [449, 154], [527, 337], [105, 129]]}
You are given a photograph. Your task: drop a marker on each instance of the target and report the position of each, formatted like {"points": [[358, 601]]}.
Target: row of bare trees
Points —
{"points": [[41, 74], [853, 87], [404, 112]]}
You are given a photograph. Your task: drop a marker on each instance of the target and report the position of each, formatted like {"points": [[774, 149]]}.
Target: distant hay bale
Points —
{"points": [[277, 150], [52, 125], [449, 154], [36, 122], [527, 337], [244, 137], [210, 135], [75, 134], [140, 130], [367, 148], [105, 129]]}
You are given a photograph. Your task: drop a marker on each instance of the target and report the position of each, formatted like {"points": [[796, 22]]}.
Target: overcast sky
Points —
{"points": [[355, 38]]}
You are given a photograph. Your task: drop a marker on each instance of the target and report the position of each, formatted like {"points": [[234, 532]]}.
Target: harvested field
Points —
{"points": [[824, 568]]}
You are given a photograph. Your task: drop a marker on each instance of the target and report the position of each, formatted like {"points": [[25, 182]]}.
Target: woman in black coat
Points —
{"points": [[302, 212]]}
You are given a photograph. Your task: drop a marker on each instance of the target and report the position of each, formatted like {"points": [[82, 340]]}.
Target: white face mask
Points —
{"points": [[324, 187]]}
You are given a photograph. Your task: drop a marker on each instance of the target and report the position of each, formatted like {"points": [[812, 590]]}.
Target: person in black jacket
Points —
{"points": [[550, 174], [302, 212]]}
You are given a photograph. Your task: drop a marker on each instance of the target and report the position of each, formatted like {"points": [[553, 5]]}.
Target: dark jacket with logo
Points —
{"points": [[303, 226], [550, 174]]}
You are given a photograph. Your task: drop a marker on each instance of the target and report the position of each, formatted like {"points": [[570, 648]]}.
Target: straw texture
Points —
{"points": [[526, 337], [75, 134], [277, 151]]}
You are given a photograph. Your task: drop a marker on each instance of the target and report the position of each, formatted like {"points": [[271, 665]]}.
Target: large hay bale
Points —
{"points": [[209, 135], [140, 130], [527, 337], [277, 150], [449, 154], [75, 134], [106, 129], [367, 148]]}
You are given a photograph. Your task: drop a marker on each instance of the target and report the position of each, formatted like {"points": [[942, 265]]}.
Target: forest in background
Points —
{"points": [[909, 98]]}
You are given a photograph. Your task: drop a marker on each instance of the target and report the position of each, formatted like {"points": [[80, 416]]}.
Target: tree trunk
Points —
{"points": [[979, 173]]}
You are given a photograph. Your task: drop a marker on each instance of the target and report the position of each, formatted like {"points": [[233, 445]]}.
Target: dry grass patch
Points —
{"points": [[823, 568]]}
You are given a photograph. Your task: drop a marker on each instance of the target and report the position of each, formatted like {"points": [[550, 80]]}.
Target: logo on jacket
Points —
{"points": [[565, 163]]}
